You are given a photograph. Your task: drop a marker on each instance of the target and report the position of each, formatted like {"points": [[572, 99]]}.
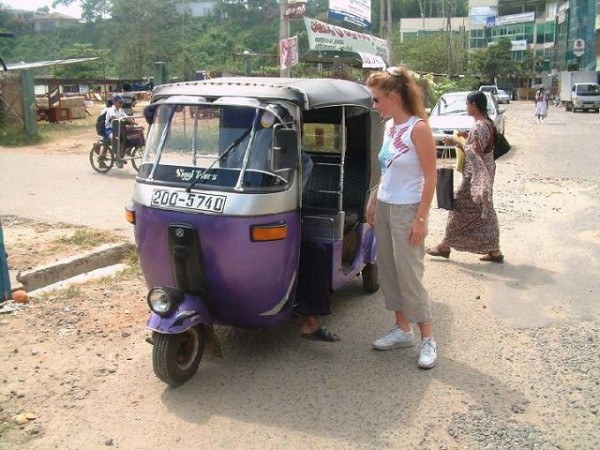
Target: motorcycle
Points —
{"points": [[223, 219]]}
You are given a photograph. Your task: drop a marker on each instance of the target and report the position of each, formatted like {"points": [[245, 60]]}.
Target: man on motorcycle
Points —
{"points": [[131, 138]]}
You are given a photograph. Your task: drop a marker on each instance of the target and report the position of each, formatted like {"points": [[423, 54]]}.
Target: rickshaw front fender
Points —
{"points": [[191, 312]]}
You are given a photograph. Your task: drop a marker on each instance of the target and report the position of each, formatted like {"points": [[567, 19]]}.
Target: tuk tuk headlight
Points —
{"points": [[164, 300]]}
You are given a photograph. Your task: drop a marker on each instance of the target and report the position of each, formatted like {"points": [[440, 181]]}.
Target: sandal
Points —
{"points": [[322, 334], [492, 258], [435, 251]]}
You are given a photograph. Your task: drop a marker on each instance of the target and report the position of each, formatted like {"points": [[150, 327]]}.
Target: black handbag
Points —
{"points": [[501, 145], [444, 189]]}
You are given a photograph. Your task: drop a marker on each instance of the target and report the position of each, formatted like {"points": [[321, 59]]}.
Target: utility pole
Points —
{"points": [[284, 33], [385, 23], [449, 36]]}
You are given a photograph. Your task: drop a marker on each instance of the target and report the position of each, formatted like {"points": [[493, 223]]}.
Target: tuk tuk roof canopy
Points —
{"points": [[308, 93]]}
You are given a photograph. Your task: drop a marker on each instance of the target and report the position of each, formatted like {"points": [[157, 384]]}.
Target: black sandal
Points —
{"points": [[322, 334]]}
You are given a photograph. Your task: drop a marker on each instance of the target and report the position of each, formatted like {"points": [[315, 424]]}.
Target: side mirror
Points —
{"points": [[285, 149], [285, 140]]}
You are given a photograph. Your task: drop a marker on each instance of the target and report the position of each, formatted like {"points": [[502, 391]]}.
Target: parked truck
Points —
{"points": [[580, 91]]}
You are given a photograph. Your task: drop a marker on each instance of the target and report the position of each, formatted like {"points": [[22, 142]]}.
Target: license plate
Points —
{"points": [[188, 200]]}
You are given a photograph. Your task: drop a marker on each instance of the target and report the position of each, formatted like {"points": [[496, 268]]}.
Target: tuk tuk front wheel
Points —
{"points": [[370, 278], [176, 357]]}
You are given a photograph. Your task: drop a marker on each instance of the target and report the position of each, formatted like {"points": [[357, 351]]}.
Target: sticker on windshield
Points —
{"points": [[188, 200]]}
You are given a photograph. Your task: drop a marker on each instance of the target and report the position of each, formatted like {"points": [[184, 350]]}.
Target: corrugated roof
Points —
{"points": [[57, 62]]}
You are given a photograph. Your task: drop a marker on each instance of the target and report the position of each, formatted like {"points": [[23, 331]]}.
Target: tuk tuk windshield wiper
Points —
{"points": [[233, 145]]}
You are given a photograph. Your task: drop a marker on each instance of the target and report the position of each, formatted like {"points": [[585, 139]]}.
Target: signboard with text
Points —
{"points": [[356, 12], [325, 37], [295, 9]]}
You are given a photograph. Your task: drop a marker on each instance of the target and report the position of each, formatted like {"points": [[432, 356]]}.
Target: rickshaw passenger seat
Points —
{"points": [[322, 190]]}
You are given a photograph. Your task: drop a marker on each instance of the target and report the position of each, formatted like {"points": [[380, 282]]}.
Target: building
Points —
{"points": [[37, 21], [195, 9], [548, 28]]}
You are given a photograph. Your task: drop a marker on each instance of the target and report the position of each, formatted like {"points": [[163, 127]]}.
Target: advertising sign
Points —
{"points": [[578, 47], [483, 15], [356, 12], [325, 37], [516, 18], [518, 46], [295, 9], [288, 52]]}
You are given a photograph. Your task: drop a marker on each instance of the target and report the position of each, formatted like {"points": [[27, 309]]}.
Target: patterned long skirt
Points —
{"points": [[467, 230]]}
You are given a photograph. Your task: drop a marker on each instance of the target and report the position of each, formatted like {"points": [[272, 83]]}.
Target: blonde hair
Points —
{"points": [[397, 79]]}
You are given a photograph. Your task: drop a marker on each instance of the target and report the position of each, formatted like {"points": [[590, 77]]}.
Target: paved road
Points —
{"points": [[507, 333], [64, 188]]}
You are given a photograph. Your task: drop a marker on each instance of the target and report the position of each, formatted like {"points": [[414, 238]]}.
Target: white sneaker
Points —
{"points": [[427, 354], [395, 338]]}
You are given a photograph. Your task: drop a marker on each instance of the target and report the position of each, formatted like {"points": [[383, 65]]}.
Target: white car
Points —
{"points": [[503, 96], [450, 114]]}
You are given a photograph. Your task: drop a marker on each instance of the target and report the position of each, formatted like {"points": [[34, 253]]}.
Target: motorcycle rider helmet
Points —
{"points": [[117, 98]]}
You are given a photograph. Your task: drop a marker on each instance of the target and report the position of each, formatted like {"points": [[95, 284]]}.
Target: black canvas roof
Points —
{"points": [[308, 93]]}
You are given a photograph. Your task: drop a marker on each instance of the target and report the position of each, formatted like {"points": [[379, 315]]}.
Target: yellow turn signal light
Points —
{"points": [[273, 232], [130, 215]]}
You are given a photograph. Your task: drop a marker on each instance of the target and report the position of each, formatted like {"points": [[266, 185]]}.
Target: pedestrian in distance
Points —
{"points": [[541, 105], [398, 209], [472, 224]]}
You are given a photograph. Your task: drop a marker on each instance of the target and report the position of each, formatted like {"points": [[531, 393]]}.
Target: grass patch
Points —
{"points": [[68, 293], [86, 238], [14, 136]]}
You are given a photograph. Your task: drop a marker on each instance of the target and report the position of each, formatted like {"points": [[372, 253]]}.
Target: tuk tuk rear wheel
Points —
{"points": [[370, 278], [176, 357]]}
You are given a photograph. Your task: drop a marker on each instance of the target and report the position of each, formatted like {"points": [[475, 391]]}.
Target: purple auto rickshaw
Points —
{"points": [[238, 176]]}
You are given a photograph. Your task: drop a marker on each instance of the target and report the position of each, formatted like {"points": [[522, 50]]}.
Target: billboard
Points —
{"points": [[325, 37], [356, 12]]}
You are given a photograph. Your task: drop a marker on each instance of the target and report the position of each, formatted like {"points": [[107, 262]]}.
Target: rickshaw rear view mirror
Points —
{"points": [[285, 148], [286, 140]]}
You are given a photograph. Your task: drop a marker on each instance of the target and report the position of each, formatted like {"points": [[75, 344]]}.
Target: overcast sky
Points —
{"points": [[32, 5]]}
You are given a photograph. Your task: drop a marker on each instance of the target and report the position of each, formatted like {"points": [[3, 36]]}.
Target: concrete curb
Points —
{"points": [[96, 274], [103, 256]]}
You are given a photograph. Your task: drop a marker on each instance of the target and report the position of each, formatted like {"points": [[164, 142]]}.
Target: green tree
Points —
{"points": [[429, 53], [84, 70], [142, 32], [91, 10], [494, 61]]}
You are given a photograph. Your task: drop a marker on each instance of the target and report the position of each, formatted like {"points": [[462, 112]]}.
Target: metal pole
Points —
{"points": [[284, 33], [5, 290]]}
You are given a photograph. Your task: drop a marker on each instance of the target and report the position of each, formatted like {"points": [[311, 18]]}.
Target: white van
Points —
{"points": [[491, 88]]}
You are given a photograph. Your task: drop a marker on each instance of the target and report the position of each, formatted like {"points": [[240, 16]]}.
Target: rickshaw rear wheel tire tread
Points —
{"points": [[109, 160], [370, 278], [168, 347]]}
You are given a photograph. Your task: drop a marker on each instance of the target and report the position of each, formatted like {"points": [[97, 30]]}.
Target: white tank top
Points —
{"points": [[401, 173]]}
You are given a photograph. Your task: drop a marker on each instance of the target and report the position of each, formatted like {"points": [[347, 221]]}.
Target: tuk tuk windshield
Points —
{"points": [[216, 146]]}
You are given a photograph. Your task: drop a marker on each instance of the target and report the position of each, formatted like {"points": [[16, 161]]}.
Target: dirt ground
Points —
{"points": [[519, 342]]}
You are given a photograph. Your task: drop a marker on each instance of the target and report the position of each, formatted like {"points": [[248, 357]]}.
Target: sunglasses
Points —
{"points": [[376, 100]]}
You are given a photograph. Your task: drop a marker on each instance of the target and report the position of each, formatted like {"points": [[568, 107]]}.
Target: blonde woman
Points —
{"points": [[399, 208]]}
